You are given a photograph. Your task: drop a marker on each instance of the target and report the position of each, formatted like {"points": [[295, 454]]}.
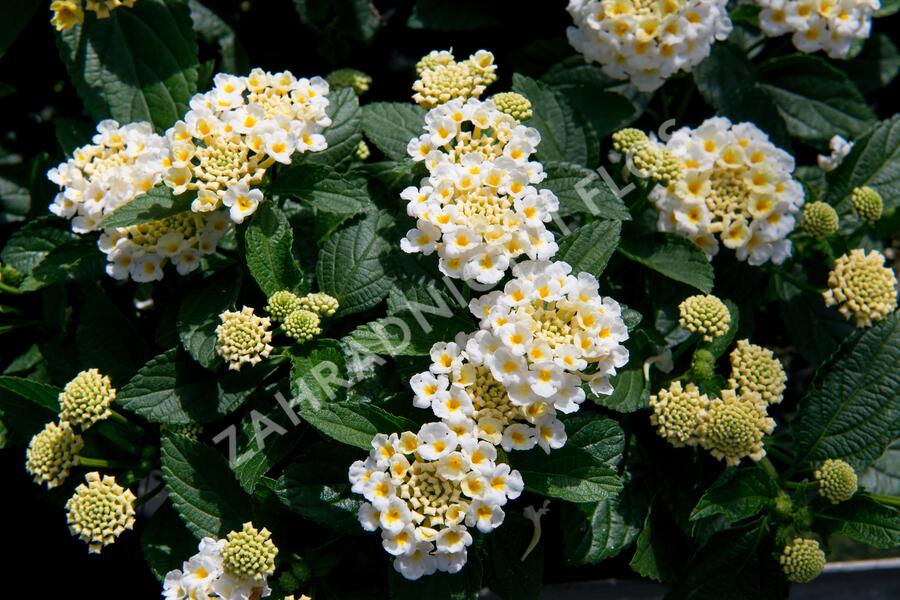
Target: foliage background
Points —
{"points": [[40, 106]]}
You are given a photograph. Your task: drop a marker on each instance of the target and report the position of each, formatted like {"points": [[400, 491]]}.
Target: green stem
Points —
{"points": [[798, 282], [9, 289], [768, 467], [794, 485], [101, 463], [119, 418], [149, 495], [889, 500]]}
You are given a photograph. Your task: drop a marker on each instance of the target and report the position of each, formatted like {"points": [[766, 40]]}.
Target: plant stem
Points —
{"points": [[100, 463], [768, 467], [889, 500]]}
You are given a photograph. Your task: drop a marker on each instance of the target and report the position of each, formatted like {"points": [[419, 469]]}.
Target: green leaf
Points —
{"points": [[315, 486], [737, 494], [75, 260], [564, 134], [344, 133], [166, 543], [404, 335], [158, 203], [595, 531], [391, 125], [727, 82], [140, 64], [815, 330], [202, 487], [883, 477], [505, 573], [672, 256], [852, 408], [350, 266], [874, 161], [212, 29], [601, 437], [26, 406], [581, 190], [198, 315], [269, 251], [31, 244], [815, 99], [876, 66], [321, 399], [589, 248], [107, 340], [568, 473], [864, 520], [628, 392]]}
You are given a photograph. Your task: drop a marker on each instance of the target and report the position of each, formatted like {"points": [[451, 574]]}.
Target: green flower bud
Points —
{"points": [[321, 304], [784, 506], [515, 105], [249, 554], [302, 325], [705, 315], [11, 276], [734, 425], [624, 141], [703, 365], [867, 203], [837, 480], [351, 78], [281, 304], [362, 150], [802, 560], [819, 219], [86, 399]]}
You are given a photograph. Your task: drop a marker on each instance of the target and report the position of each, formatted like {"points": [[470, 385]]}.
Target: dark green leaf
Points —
{"points": [[158, 203], [269, 242], [391, 126], [568, 473], [628, 392], [883, 477], [344, 133], [107, 340], [506, 573], [31, 244], [198, 315], [874, 161], [737, 494], [581, 190], [166, 543], [589, 248], [864, 520], [673, 256]]}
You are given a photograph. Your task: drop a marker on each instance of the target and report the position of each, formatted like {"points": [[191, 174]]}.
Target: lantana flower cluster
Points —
{"points": [[240, 128], [442, 79], [647, 41], [425, 490], [234, 568], [829, 25], [731, 426], [862, 287], [737, 187], [478, 207], [68, 13]]}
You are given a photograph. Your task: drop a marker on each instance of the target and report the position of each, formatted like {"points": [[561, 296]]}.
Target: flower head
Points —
{"points": [[52, 453], [515, 105], [677, 412], [281, 304], [66, 14], [862, 287], [736, 186], [302, 325], [626, 140], [100, 511], [478, 207], [831, 26], [840, 148], [837, 480], [243, 337], [358, 81], [321, 304], [867, 203], [756, 369], [86, 399], [802, 560], [655, 161], [819, 219], [704, 315], [733, 426], [424, 491], [647, 42], [442, 79], [362, 150], [249, 553]]}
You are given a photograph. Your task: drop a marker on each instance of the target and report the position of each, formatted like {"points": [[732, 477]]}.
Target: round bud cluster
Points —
{"points": [[819, 219], [100, 511], [86, 399], [756, 369], [442, 79], [704, 315], [677, 412], [243, 337], [867, 203], [837, 480], [302, 325], [656, 162], [362, 150], [10, 276], [802, 560], [625, 140], [249, 554], [862, 287], [734, 425], [321, 304], [515, 105], [52, 453], [358, 81], [281, 304], [703, 365]]}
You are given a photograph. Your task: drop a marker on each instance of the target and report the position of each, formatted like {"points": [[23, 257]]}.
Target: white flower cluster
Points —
{"points": [[840, 148], [736, 185], [204, 576], [829, 25], [478, 207], [424, 490], [647, 41], [121, 163], [235, 131]]}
